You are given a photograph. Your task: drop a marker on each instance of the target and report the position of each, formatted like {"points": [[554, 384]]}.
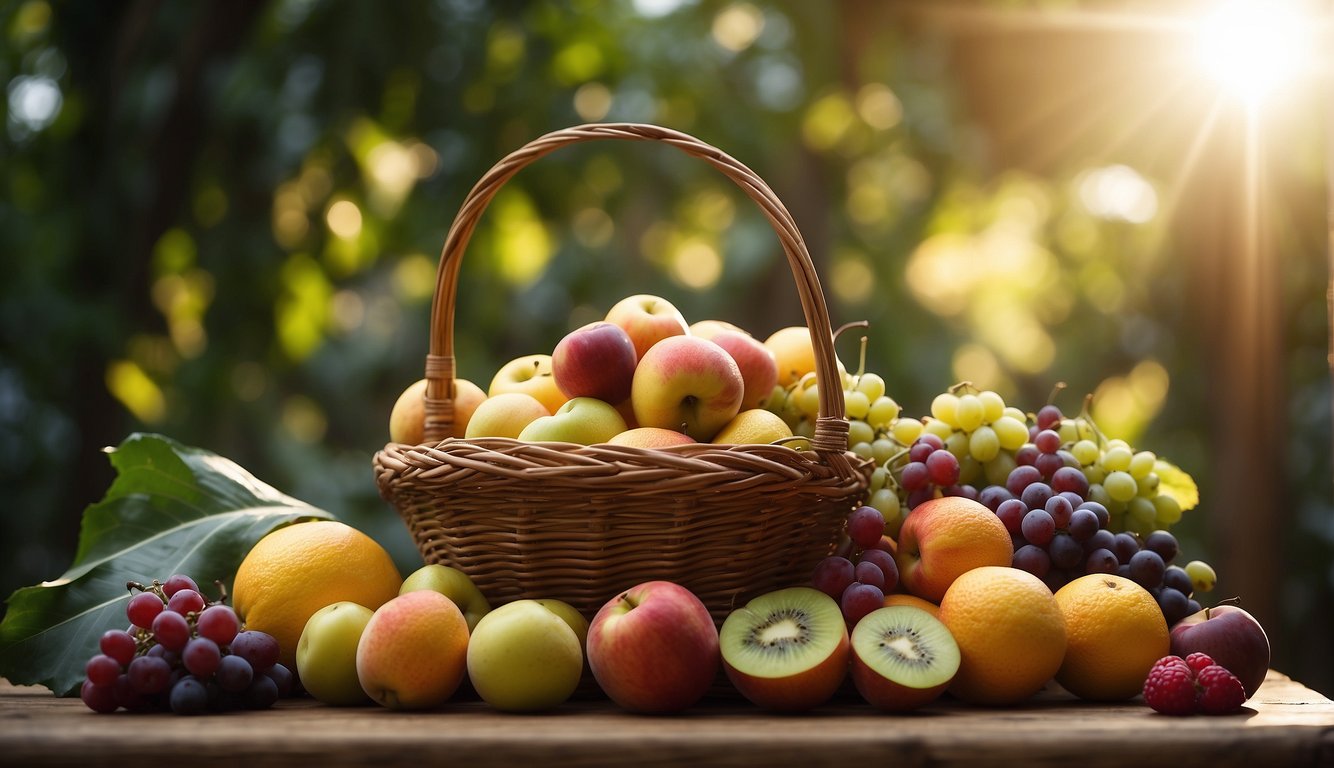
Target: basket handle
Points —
{"points": [[831, 428]]}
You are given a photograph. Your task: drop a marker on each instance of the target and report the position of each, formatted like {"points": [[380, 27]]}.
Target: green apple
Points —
{"points": [[524, 657], [688, 384], [582, 420], [453, 584], [571, 616], [326, 654]]}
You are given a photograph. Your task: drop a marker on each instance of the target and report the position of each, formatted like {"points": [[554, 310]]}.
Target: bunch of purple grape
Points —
{"points": [[184, 654], [863, 571], [930, 468]]}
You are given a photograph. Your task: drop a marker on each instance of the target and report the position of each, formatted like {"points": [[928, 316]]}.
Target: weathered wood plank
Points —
{"points": [[1285, 724]]}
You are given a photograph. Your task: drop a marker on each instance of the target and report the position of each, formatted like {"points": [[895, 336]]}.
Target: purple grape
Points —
{"points": [[149, 675], [218, 623], [1146, 569], [865, 526], [143, 608], [1101, 539], [201, 657], [99, 698], [1060, 511], [119, 645], [262, 693], [1033, 559], [1083, 524], [859, 600], [1038, 527], [258, 648], [1164, 543], [919, 451], [177, 583], [1070, 479], [1026, 455], [102, 671], [915, 476], [870, 573], [993, 496], [888, 567], [188, 697], [1174, 604], [234, 674], [943, 468], [963, 491], [186, 601], [1193, 607], [1049, 417], [932, 440], [832, 575], [1126, 547], [1104, 517], [1072, 497], [1065, 552], [917, 497], [1101, 561], [1174, 577], [1020, 478], [283, 677], [1047, 441], [1048, 463], [1011, 512], [1036, 495]]}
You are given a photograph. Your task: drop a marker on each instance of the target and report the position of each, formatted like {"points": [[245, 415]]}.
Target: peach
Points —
{"points": [[758, 366], [943, 538], [414, 651], [407, 419]]}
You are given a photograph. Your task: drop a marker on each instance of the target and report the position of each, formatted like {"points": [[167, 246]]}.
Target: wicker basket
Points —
{"points": [[581, 523]]}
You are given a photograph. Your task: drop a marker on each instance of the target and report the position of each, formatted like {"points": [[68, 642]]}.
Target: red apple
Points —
{"points": [[648, 320], [943, 538], [597, 361], [687, 384], [1231, 637], [759, 368], [654, 648]]}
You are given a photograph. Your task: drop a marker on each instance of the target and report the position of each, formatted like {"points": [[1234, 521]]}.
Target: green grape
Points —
{"points": [[777, 400], [1202, 575], [871, 385], [938, 428], [805, 428], [1085, 430], [1068, 431], [1168, 510], [1142, 511], [1141, 464], [1099, 494], [860, 432], [1116, 459], [1136, 525], [1085, 452], [1117, 442], [855, 404], [883, 411], [879, 477], [968, 412], [1095, 473], [945, 407], [957, 444], [1148, 485], [1015, 414], [998, 470], [993, 406], [905, 431], [890, 508], [863, 450], [883, 449], [1010, 432], [970, 471], [808, 401], [984, 444], [1120, 485]]}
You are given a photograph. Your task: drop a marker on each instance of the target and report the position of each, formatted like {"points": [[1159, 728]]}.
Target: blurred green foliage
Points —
{"points": [[220, 222]]}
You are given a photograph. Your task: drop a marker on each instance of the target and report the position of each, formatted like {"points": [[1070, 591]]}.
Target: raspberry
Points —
{"points": [[1170, 687], [1221, 691], [1198, 661]]}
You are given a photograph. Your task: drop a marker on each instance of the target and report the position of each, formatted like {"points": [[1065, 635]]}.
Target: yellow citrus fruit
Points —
{"points": [[902, 598], [298, 569], [1115, 632], [753, 426], [1010, 633]]}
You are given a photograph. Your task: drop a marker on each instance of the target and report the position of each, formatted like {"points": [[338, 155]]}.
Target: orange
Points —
{"points": [[1115, 632], [1010, 632], [900, 598], [298, 569]]}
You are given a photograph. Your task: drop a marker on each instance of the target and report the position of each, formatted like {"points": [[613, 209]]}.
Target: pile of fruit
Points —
{"points": [[996, 551]]}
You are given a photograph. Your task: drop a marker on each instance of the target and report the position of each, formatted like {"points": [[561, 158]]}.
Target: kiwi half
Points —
{"points": [[786, 650], [902, 658]]}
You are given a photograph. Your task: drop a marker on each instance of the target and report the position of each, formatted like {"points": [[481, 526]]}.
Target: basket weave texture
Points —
{"points": [[583, 523]]}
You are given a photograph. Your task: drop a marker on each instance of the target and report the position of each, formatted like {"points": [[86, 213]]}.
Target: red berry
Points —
{"points": [[1198, 661], [1170, 687], [1221, 692]]}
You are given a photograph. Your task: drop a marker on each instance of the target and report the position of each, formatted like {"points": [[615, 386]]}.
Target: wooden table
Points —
{"points": [[1284, 724]]}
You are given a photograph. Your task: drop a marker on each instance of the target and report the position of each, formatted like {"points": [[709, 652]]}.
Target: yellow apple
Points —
{"points": [[408, 417], [707, 329], [687, 384], [648, 320], [524, 657], [530, 374], [753, 426], [582, 420], [793, 353], [505, 415]]}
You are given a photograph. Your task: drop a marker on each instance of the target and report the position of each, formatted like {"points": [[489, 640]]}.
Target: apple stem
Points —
{"points": [[625, 598]]}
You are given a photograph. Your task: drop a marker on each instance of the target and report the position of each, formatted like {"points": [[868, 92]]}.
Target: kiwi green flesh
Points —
{"points": [[782, 633], [906, 645]]}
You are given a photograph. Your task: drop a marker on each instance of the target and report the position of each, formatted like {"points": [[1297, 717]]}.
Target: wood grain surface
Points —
{"points": [[1285, 724]]}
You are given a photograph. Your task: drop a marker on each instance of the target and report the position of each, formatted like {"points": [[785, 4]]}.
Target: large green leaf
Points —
{"points": [[172, 509]]}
